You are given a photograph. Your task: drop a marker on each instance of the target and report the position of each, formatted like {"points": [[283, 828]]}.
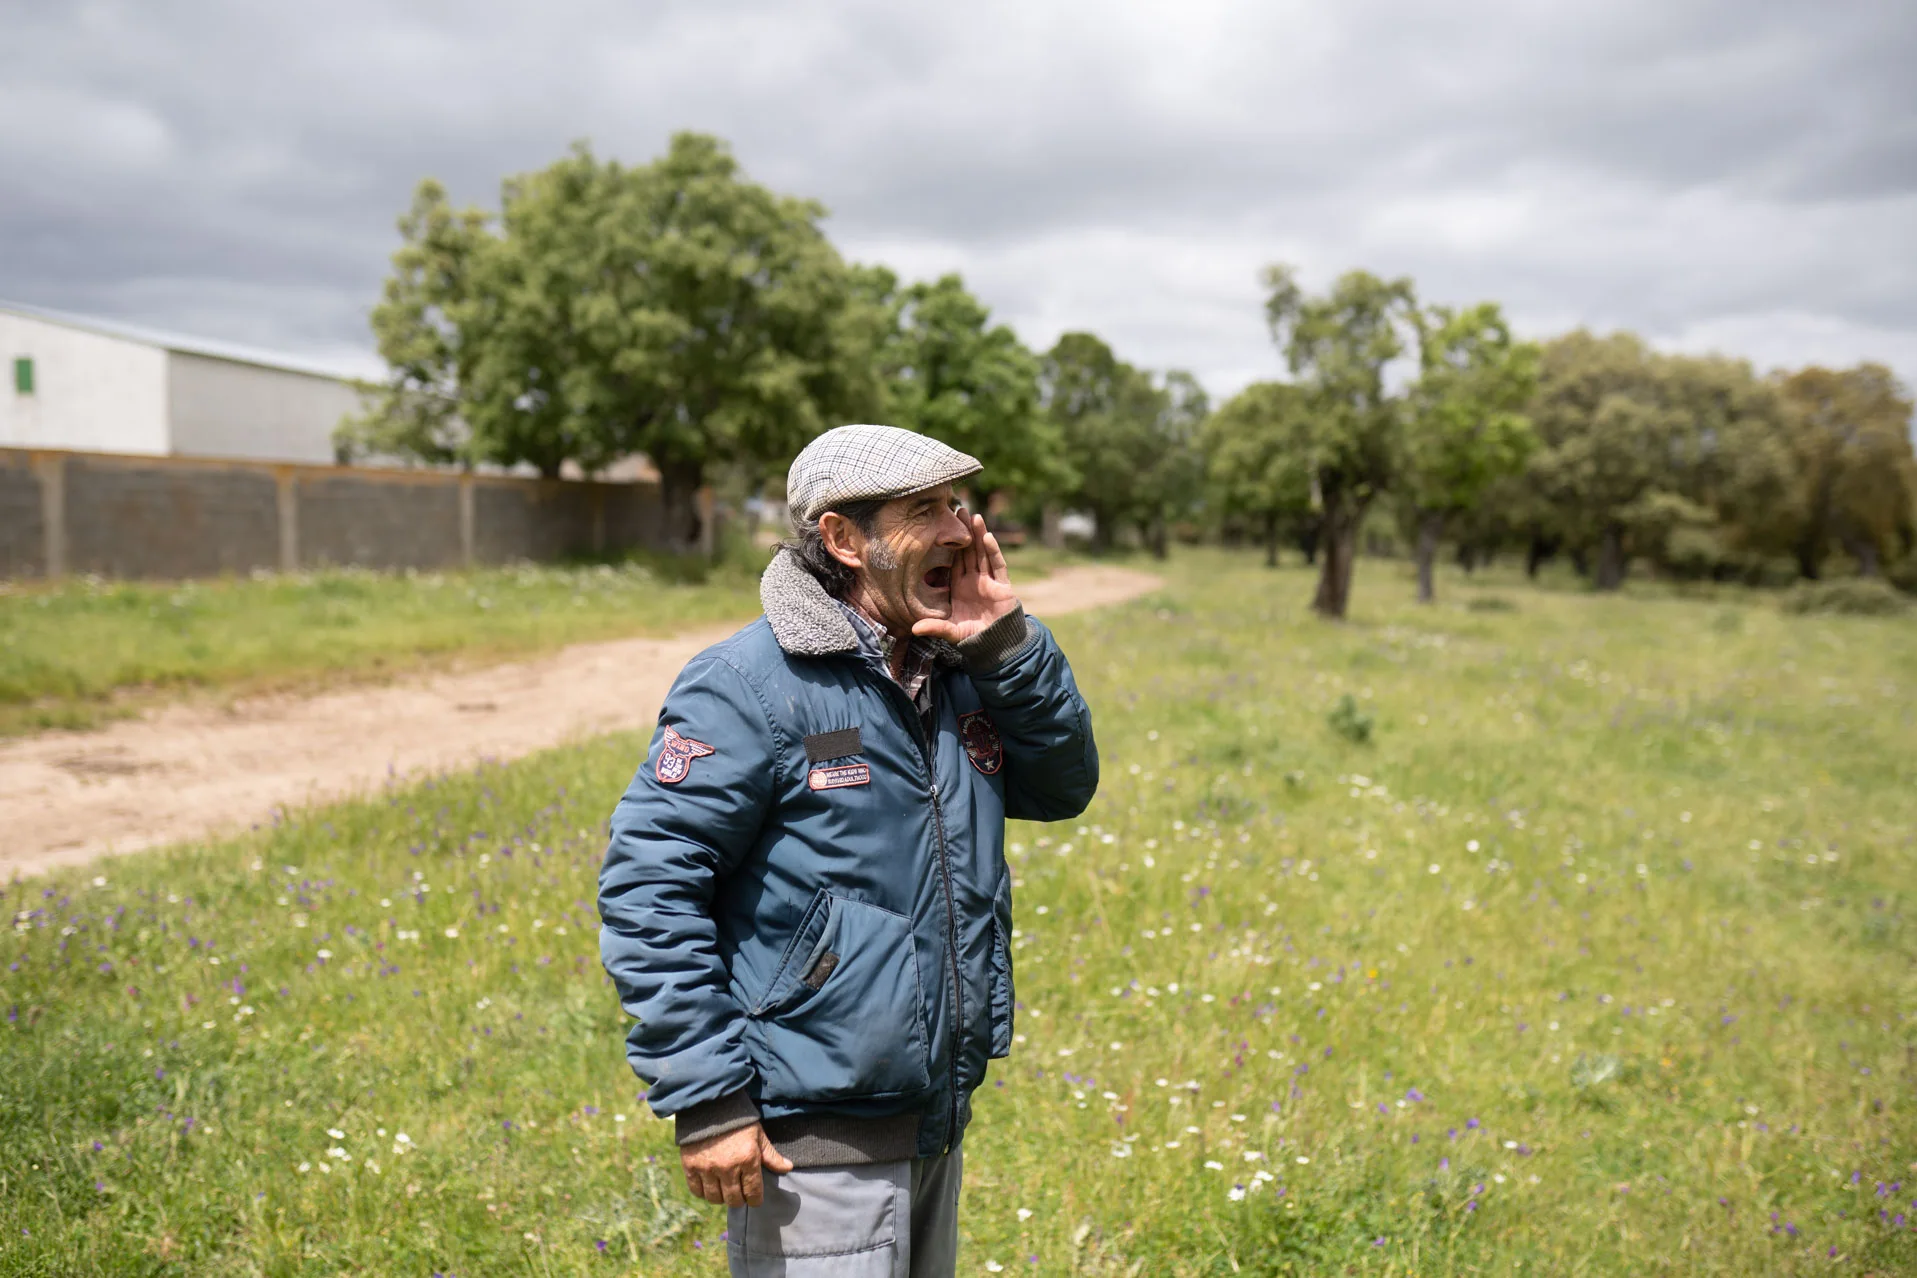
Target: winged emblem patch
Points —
{"points": [[676, 755]]}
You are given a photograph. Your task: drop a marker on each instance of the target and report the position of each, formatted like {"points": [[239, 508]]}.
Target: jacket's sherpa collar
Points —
{"points": [[805, 620]]}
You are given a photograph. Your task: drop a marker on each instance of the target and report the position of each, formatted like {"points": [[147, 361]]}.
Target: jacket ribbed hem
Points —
{"points": [[714, 1118], [994, 647], [833, 1140]]}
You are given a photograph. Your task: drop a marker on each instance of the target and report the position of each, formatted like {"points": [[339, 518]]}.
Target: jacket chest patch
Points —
{"points": [[982, 744], [676, 755], [846, 774]]}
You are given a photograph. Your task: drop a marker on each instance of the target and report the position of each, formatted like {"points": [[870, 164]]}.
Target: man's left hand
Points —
{"points": [[981, 590]]}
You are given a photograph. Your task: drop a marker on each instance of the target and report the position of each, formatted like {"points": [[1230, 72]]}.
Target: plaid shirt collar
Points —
{"points": [[877, 644]]}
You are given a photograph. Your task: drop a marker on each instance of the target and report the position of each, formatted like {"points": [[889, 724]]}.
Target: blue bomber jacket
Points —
{"points": [[806, 906]]}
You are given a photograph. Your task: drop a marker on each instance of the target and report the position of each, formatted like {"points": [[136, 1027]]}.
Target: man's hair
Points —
{"points": [[810, 547]]}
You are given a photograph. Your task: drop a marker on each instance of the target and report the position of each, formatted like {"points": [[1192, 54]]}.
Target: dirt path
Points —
{"points": [[188, 771]]}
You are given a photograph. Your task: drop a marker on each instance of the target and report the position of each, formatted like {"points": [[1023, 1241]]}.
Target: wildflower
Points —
{"points": [[1212, 1164], [993, 1267], [336, 1133], [1024, 1213], [1236, 1194]]}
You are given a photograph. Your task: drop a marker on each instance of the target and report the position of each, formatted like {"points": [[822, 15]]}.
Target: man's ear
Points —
{"points": [[843, 540]]}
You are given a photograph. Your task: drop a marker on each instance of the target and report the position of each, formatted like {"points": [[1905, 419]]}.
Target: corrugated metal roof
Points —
{"points": [[189, 345]]}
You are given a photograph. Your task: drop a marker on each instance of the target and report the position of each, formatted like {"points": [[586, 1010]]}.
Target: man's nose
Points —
{"points": [[955, 530]]}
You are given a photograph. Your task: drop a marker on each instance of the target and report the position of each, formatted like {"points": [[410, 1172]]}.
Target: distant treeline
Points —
{"points": [[676, 309]]}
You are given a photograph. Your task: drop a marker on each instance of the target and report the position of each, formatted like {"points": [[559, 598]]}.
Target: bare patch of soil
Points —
{"points": [[190, 771]]}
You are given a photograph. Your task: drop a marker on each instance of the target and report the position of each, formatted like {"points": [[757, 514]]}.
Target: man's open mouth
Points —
{"points": [[938, 578]]}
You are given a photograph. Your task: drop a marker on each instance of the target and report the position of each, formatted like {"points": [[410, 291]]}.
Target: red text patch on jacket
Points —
{"points": [[982, 745], [676, 756]]}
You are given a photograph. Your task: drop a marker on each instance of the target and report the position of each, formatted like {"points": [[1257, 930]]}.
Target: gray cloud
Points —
{"points": [[1732, 173]]}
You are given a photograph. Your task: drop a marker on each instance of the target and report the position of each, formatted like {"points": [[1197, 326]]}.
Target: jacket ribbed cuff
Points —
{"points": [[714, 1118], [994, 647]]}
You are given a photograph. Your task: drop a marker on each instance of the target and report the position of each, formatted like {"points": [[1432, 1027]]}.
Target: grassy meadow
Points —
{"points": [[1576, 941], [77, 652]]}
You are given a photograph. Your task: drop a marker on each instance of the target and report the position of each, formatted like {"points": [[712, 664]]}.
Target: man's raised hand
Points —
{"points": [[981, 590]]}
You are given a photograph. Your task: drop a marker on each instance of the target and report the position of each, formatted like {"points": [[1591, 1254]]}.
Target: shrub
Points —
{"points": [[1856, 597], [1903, 574], [1349, 722]]}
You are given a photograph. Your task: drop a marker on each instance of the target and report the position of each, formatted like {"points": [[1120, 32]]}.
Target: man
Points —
{"points": [[806, 904]]}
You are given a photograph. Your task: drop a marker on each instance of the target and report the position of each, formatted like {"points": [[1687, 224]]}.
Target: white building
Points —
{"points": [[74, 383]]}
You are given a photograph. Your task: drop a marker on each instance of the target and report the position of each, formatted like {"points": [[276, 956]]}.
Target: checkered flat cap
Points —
{"points": [[861, 463]]}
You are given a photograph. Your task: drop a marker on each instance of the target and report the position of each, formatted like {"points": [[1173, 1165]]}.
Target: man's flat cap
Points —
{"points": [[863, 463]]}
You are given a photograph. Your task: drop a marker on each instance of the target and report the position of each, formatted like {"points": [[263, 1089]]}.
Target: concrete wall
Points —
{"points": [[228, 408], [90, 391], [148, 520], [383, 520], [172, 517], [22, 536]]}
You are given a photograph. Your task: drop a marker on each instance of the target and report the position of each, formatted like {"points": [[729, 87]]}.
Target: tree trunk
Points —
{"points": [[679, 485], [1155, 536], [1808, 565], [1541, 550], [1308, 542], [1430, 526], [1271, 539], [1104, 532], [1340, 531], [1611, 564]]}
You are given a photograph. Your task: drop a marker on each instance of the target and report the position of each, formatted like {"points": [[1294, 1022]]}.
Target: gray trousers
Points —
{"points": [[871, 1220]]}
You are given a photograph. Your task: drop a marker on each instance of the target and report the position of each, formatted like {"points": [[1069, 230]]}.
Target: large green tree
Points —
{"points": [[1850, 441], [1677, 458], [1464, 425], [1338, 347], [674, 309], [954, 375], [1173, 483], [1131, 441], [1255, 458], [1607, 444]]}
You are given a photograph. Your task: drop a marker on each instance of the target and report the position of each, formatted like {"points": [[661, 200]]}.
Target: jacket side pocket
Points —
{"points": [[843, 1021], [1001, 993], [800, 953]]}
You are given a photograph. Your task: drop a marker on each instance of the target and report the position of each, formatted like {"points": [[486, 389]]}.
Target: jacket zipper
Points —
{"points": [[951, 904], [951, 949]]}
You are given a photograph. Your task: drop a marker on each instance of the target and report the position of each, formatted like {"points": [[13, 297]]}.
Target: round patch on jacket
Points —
{"points": [[982, 744], [676, 756]]}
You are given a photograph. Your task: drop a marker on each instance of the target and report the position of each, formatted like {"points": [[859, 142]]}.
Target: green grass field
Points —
{"points": [[1595, 959], [82, 651]]}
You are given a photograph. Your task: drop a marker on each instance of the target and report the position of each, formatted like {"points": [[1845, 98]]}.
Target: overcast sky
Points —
{"points": [[1737, 175]]}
